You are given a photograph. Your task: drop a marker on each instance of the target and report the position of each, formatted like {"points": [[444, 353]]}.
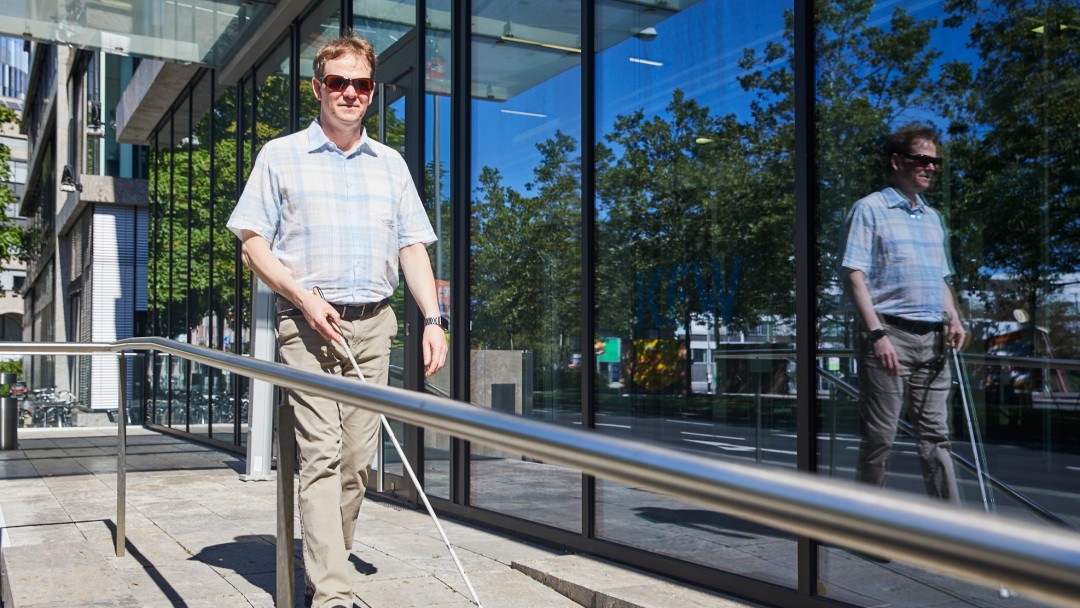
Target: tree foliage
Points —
{"points": [[694, 207], [1016, 157], [526, 258], [16, 243]]}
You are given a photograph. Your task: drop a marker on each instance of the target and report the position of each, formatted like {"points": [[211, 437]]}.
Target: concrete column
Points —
{"points": [[261, 408]]}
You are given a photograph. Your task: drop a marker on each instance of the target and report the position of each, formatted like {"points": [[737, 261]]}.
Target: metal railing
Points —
{"points": [[1041, 561]]}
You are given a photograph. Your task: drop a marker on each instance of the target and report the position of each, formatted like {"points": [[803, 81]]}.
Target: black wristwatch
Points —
{"points": [[877, 334], [441, 321]]}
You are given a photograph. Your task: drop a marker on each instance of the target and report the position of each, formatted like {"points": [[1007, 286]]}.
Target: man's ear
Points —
{"points": [[316, 88], [894, 163]]}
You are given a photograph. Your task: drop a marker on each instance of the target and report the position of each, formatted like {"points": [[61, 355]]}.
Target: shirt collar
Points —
{"points": [[895, 199], [318, 141]]}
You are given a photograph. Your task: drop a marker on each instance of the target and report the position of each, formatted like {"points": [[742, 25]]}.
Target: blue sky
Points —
{"points": [[696, 50], [704, 66]]}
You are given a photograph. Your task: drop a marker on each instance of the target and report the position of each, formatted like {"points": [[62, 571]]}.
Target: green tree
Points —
{"points": [[682, 204], [1015, 154], [869, 78], [15, 242], [527, 256]]}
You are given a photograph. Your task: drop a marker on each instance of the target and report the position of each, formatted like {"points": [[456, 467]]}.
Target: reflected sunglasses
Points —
{"points": [[922, 159], [340, 83]]}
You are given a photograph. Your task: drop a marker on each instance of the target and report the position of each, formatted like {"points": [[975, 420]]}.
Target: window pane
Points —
{"points": [[993, 81], [695, 284], [526, 246], [223, 261], [201, 254], [383, 23], [437, 199], [318, 28], [180, 323]]}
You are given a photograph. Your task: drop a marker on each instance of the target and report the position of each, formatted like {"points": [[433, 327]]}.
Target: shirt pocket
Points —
{"points": [[896, 250]]}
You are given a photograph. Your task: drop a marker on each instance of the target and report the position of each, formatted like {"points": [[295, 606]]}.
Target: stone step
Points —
{"points": [[595, 583]]}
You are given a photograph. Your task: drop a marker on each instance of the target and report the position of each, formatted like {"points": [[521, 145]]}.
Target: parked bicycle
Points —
{"points": [[50, 407]]}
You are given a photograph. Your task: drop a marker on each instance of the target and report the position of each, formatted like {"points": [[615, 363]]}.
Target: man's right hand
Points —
{"points": [[320, 315]]}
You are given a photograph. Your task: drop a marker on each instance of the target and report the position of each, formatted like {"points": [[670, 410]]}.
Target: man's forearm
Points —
{"points": [[267, 267], [416, 266], [860, 293], [950, 305]]}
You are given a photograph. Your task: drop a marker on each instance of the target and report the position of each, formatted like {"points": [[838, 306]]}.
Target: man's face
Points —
{"points": [[345, 108], [915, 170]]}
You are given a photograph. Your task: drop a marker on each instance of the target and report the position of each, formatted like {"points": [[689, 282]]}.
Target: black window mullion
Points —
{"points": [[805, 288], [460, 228], [588, 258]]}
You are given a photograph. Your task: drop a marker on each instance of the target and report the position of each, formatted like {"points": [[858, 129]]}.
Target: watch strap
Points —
{"points": [[439, 320]]}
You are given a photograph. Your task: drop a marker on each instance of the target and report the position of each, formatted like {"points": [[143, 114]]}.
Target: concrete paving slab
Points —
{"points": [[596, 583], [198, 536], [24, 536], [64, 574]]}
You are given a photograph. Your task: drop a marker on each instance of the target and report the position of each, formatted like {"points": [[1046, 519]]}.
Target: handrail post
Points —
{"points": [[286, 560], [121, 460]]}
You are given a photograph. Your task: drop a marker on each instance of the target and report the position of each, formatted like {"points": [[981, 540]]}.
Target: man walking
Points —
{"points": [[896, 264], [331, 208]]}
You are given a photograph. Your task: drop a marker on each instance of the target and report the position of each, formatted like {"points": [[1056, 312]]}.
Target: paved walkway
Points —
{"points": [[198, 536]]}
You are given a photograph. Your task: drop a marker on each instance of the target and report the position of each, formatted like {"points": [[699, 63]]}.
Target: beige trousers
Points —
{"points": [[336, 443], [921, 389]]}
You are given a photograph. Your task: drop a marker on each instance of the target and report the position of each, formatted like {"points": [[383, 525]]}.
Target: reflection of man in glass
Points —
{"points": [[331, 208], [896, 262]]}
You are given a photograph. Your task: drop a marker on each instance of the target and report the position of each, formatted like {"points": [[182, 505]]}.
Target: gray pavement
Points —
{"points": [[198, 536]]}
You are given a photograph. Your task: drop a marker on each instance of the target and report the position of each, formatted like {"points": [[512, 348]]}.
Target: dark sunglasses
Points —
{"points": [[922, 159], [340, 83]]}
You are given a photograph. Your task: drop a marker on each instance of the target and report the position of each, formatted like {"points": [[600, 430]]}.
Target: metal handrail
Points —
{"points": [[1037, 560]]}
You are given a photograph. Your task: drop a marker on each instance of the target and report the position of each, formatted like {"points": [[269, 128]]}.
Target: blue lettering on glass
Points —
{"points": [[719, 298]]}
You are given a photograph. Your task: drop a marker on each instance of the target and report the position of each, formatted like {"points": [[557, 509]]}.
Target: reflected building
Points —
{"points": [[639, 206]]}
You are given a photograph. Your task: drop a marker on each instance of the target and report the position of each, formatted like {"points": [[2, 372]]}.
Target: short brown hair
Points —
{"points": [[346, 43], [902, 139]]}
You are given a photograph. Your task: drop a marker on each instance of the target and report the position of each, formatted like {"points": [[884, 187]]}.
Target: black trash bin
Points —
{"points": [[9, 415]]}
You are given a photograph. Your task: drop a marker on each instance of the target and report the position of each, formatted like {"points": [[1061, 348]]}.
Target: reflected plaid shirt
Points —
{"points": [[335, 220], [903, 252]]}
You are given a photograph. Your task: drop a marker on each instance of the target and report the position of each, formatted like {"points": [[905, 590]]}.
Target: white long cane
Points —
{"points": [[1003, 592], [969, 417], [405, 462]]}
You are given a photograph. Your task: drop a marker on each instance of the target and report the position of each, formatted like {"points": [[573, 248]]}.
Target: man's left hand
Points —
{"points": [[434, 349]]}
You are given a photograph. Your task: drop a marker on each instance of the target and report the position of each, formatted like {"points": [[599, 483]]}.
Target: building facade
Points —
{"points": [[85, 196], [14, 61], [639, 206]]}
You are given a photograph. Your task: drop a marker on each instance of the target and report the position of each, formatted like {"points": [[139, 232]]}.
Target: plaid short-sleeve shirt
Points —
{"points": [[903, 252], [336, 221]]}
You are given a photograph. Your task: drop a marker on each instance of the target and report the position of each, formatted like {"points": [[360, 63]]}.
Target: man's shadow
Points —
{"points": [[254, 558]]}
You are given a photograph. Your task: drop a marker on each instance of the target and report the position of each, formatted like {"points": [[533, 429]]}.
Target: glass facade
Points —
{"points": [[525, 255], [641, 209], [990, 78], [690, 202]]}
